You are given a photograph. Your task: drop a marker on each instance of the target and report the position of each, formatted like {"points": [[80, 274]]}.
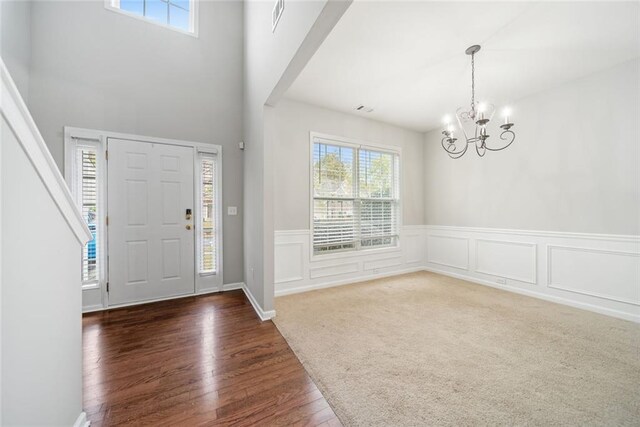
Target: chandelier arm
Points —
{"points": [[457, 156], [510, 136], [453, 154], [481, 149], [446, 139]]}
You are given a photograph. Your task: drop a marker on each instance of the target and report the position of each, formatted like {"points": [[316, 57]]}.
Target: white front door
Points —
{"points": [[151, 241]]}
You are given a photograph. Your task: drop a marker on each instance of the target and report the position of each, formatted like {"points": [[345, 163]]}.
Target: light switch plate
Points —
{"points": [[232, 210]]}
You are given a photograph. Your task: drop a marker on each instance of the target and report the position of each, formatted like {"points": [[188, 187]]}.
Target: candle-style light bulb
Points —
{"points": [[450, 129], [506, 113], [481, 108]]}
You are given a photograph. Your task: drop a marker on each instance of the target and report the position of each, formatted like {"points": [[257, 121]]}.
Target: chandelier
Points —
{"points": [[473, 123]]}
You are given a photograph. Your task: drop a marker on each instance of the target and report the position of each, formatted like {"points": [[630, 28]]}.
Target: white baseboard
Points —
{"points": [[82, 421], [92, 308], [342, 282], [595, 272], [263, 315], [539, 295], [225, 288], [232, 286]]}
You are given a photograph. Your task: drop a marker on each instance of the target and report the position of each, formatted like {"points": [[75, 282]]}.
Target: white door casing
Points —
{"points": [[151, 251]]}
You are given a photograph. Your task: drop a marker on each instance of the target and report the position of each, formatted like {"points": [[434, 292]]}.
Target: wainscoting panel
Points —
{"points": [[450, 251], [595, 272], [414, 246], [508, 259], [336, 269], [292, 270], [296, 270], [395, 261], [590, 271]]}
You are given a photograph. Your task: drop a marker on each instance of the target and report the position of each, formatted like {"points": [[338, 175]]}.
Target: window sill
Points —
{"points": [[90, 286], [355, 254]]}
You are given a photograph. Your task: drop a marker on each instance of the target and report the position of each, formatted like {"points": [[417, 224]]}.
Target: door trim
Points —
{"points": [[97, 298]]}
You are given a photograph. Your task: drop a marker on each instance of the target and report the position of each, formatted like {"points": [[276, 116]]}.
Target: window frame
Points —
{"points": [[203, 153], [114, 6], [73, 144], [317, 137]]}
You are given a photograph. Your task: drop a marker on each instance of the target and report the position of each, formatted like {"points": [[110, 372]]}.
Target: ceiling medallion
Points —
{"points": [[473, 123]]}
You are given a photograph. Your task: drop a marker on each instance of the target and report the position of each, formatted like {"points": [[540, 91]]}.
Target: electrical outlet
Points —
{"points": [[501, 280], [232, 210]]}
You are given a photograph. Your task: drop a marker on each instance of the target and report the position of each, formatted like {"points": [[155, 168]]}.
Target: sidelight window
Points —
{"points": [[208, 233]]}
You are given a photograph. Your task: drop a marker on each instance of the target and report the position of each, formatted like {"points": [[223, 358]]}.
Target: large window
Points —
{"points": [[355, 197], [176, 14]]}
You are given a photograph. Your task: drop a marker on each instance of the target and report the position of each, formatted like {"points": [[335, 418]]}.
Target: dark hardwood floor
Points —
{"points": [[205, 360]]}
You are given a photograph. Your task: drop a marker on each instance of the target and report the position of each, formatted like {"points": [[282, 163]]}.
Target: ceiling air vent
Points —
{"points": [[364, 109], [278, 8]]}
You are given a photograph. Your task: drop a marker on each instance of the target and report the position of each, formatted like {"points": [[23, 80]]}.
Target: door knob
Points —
{"points": [[188, 226]]}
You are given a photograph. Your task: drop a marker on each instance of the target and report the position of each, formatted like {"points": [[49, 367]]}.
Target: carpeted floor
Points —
{"points": [[425, 349]]}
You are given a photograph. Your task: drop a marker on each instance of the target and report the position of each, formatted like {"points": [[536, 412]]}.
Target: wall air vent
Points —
{"points": [[364, 109], [278, 8]]}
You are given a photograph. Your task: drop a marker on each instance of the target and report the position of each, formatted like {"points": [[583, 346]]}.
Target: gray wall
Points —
{"points": [[294, 121], [269, 57], [15, 41], [94, 68], [574, 166], [40, 311]]}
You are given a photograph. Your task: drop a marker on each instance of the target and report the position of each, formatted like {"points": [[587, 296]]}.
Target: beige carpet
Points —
{"points": [[425, 349]]}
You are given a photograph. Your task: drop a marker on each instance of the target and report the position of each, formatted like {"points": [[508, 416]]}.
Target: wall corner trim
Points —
{"points": [[263, 315]]}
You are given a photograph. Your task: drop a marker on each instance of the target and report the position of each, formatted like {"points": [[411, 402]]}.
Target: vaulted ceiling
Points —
{"points": [[406, 60]]}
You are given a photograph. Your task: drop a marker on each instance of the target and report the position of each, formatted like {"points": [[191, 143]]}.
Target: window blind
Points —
{"points": [[334, 205], [378, 198], [87, 181], [355, 198], [208, 232]]}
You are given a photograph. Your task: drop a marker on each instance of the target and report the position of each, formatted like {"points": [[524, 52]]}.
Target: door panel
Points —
{"points": [[151, 252]]}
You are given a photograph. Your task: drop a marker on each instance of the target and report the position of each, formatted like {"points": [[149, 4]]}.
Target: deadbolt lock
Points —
{"points": [[187, 214]]}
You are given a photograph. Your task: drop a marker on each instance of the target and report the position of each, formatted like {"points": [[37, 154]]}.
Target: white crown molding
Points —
{"points": [[15, 112]]}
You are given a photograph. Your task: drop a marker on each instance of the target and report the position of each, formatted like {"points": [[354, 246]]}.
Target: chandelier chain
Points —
{"points": [[473, 83]]}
